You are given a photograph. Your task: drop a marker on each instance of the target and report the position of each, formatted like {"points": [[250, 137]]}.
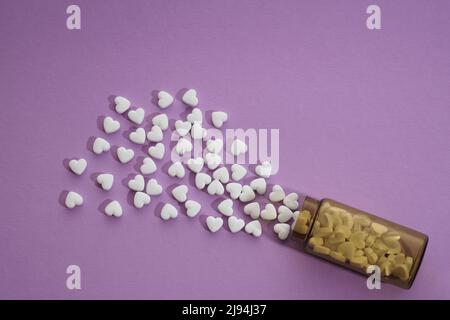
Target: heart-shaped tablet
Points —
{"points": [[148, 166], [110, 125], [238, 147], [254, 228], [157, 151], [282, 230], [264, 170], [161, 120], [215, 188], [78, 166], [137, 136], [137, 184], [190, 98], [237, 172], [218, 118], [192, 208], [284, 214], [153, 188], [73, 199], [253, 210], [176, 170], [259, 185], [105, 180], [141, 199], [212, 160], [196, 165], [122, 104], [100, 145], [136, 116], [226, 207], [155, 134], [197, 131], [269, 212], [214, 224], [182, 127], [214, 145], [291, 201], [234, 189], [201, 180], [180, 193], [168, 211], [277, 194], [183, 146], [124, 155], [114, 209], [164, 99], [222, 175], [247, 194], [235, 224], [195, 116]]}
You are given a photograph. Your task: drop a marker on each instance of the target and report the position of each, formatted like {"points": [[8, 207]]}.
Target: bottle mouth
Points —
{"points": [[302, 225]]}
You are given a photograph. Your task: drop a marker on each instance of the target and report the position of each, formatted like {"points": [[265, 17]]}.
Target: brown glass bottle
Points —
{"points": [[355, 239]]}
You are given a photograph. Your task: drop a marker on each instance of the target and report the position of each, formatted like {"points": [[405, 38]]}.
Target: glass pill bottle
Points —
{"points": [[355, 239]]}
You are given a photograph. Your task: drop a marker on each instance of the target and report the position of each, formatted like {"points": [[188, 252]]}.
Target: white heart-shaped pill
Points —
{"points": [[215, 188], [136, 116], [148, 166], [264, 170], [201, 180], [253, 210], [137, 183], [100, 145], [168, 211], [214, 145], [197, 131], [222, 175], [124, 155], [235, 224], [141, 199], [259, 185], [161, 120], [238, 147], [180, 193], [190, 98], [155, 134], [212, 160], [73, 199], [105, 180], [122, 104], [182, 127], [282, 230], [176, 170], [195, 165], [226, 207], [277, 194], [114, 209], [284, 214], [254, 228], [269, 212], [153, 188], [247, 194], [218, 118], [192, 208], [291, 201], [78, 166], [196, 115], [110, 125], [234, 189], [164, 99], [183, 146], [237, 172], [157, 151], [214, 224], [137, 136]]}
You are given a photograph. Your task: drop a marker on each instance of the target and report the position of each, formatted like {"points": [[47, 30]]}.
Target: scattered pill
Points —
{"points": [[73, 199], [141, 199], [155, 134], [264, 170], [214, 224], [105, 180], [197, 131], [212, 160], [277, 194], [192, 208], [183, 146], [164, 99], [235, 224], [137, 136], [222, 175], [157, 151], [196, 164], [284, 214], [78, 166], [137, 183], [201, 180], [122, 104], [153, 188], [148, 166], [269, 212], [168, 211], [282, 230], [214, 145], [190, 98], [234, 189], [113, 209], [182, 127], [125, 155], [254, 228], [238, 147], [259, 185], [161, 120], [291, 201], [180, 193], [238, 172], [195, 116], [215, 188], [253, 210], [247, 194], [176, 170], [226, 207], [110, 125], [136, 116], [218, 118]]}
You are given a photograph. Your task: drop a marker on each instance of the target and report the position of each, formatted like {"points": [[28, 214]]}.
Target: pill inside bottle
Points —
{"points": [[355, 239]]}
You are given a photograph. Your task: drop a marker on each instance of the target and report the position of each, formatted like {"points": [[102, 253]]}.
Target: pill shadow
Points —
{"points": [[90, 143], [215, 203], [99, 121], [202, 220], [180, 93], [126, 132], [114, 152], [93, 178], [165, 167], [65, 163], [130, 198], [148, 121], [111, 103], [154, 97], [138, 163], [62, 198], [125, 180], [158, 208], [208, 115]]}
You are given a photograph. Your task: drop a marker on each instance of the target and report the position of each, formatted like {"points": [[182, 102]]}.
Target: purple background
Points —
{"points": [[363, 118]]}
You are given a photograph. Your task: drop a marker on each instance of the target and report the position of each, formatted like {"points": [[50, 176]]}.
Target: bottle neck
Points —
{"points": [[301, 227]]}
